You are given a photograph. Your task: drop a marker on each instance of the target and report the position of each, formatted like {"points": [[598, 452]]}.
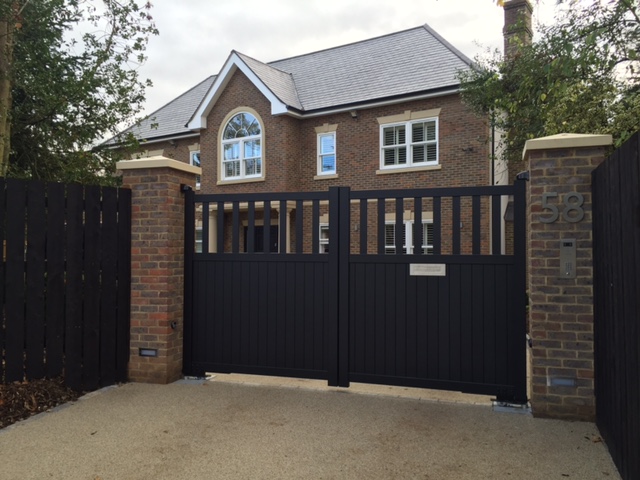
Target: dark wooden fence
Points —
{"points": [[616, 210], [64, 282]]}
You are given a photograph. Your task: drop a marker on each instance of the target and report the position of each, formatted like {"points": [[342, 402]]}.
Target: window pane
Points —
{"points": [[431, 131], [394, 135], [417, 134], [252, 149], [329, 163], [241, 125], [402, 155], [327, 144], [195, 159], [232, 169], [432, 153], [231, 151], [418, 153]]}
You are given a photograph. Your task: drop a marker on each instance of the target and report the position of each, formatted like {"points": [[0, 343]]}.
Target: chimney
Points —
{"points": [[517, 25]]}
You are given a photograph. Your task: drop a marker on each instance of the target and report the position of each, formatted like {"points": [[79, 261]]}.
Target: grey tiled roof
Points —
{"points": [[172, 118], [400, 64], [279, 82]]}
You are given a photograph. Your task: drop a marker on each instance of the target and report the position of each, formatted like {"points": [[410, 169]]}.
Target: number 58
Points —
{"points": [[572, 211]]}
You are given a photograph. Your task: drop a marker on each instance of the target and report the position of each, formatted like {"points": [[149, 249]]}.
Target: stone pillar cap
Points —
{"points": [[566, 140], [158, 162]]}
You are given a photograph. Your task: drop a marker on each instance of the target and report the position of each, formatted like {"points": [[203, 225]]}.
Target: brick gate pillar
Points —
{"points": [[560, 273], [157, 261]]}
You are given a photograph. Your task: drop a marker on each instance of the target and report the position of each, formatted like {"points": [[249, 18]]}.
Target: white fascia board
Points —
{"points": [[199, 120]]}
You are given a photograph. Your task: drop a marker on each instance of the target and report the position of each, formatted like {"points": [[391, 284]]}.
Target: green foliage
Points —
{"points": [[581, 77], [72, 89]]}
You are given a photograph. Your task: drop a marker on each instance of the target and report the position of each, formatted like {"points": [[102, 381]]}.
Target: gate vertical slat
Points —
{"points": [[123, 314], [189, 293], [14, 281], [108, 287], [488, 331], [399, 226], [91, 304], [381, 224], [517, 325], [333, 297], [437, 226], [411, 327], [74, 288], [55, 278], [266, 245], [477, 300], [235, 229], [496, 235], [433, 323], [476, 220], [344, 246], [315, 229], [251, 227], [220, 225], [456, 303], [299, 227], [2, 278], [205, 227], [283, 230], [363, 227], [455, 222], [418, 230], [466, 323], [35, 280]]}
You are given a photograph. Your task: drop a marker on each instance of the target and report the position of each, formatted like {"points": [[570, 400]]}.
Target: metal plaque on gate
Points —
{"points": [[428, 269]]}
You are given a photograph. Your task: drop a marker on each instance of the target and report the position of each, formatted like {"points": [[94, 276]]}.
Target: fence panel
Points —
{"points": [[64, 282], [616, 210]]}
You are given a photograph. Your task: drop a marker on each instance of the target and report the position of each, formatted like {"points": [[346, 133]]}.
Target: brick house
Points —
{"points": [[383, 113]]}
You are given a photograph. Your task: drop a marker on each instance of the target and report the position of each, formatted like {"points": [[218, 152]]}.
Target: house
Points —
{"points": [[380, 113]]}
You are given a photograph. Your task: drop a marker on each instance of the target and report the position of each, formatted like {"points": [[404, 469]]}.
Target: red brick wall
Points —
{"points": [[561, 309], [157, 264]]}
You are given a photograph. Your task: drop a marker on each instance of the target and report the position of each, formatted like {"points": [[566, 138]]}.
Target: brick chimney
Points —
{"points": [[517, 25]]}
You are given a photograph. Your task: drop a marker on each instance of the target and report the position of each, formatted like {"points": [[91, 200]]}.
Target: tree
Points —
{"points": [[581, 76], [69, 89]]}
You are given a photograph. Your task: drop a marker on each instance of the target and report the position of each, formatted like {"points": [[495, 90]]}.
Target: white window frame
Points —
{"points": [[322, 155], [241, 141], [409, 145], [323, 243], [407, 247], [192, 154]]}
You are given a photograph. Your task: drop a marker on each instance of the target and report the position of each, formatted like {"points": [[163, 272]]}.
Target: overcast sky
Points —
{"points": [[196, 36]]}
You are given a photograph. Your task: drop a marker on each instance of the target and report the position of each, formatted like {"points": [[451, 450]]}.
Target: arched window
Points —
{"points": [[242, 147]]}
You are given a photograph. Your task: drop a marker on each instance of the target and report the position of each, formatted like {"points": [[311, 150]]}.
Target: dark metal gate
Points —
{"points": [[400, 287]]}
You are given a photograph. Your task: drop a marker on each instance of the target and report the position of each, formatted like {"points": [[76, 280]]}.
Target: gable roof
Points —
{"points": [[397, 65], [171, 119], [409, 64]]}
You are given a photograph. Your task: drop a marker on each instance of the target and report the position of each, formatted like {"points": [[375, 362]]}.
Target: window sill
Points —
{"points": [[408, 169], [326, 177], [240, 180]]}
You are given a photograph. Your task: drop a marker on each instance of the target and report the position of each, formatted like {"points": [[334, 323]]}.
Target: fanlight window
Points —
{"points": [[242, 147]]}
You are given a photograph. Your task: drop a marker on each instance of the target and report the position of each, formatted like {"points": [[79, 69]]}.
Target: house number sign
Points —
{"points": [[571, 208]]}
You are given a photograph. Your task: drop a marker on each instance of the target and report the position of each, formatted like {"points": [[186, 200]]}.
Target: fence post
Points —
{"points": [[157, 266], [560, 273]]}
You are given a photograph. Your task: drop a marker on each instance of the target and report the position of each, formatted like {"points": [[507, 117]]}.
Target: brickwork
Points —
{"points": [[290, 147], [560, 308], [157, 262]]}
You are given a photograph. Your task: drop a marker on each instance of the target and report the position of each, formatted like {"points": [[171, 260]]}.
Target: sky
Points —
{"points": [[197, 36]]}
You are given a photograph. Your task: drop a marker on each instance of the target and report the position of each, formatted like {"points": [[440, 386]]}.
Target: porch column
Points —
{"points": [[560, 273], [157, 265]]}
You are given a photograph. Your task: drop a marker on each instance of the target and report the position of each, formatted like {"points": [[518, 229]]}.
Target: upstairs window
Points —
{"points": [[242, 148], [327, 153], [194, 159], [409, 144]]}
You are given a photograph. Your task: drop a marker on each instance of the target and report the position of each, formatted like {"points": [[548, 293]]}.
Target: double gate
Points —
{"points": [[399, 287]]}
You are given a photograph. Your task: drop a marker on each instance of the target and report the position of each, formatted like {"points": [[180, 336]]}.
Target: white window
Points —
{"points": [[327, 153], [198, 239], [242, 148], [194, 159], [324, 238], [407, 233], [409, 144]]}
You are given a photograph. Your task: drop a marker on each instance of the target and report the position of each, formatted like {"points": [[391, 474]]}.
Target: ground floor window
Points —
{"points": [[407, 238]]}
